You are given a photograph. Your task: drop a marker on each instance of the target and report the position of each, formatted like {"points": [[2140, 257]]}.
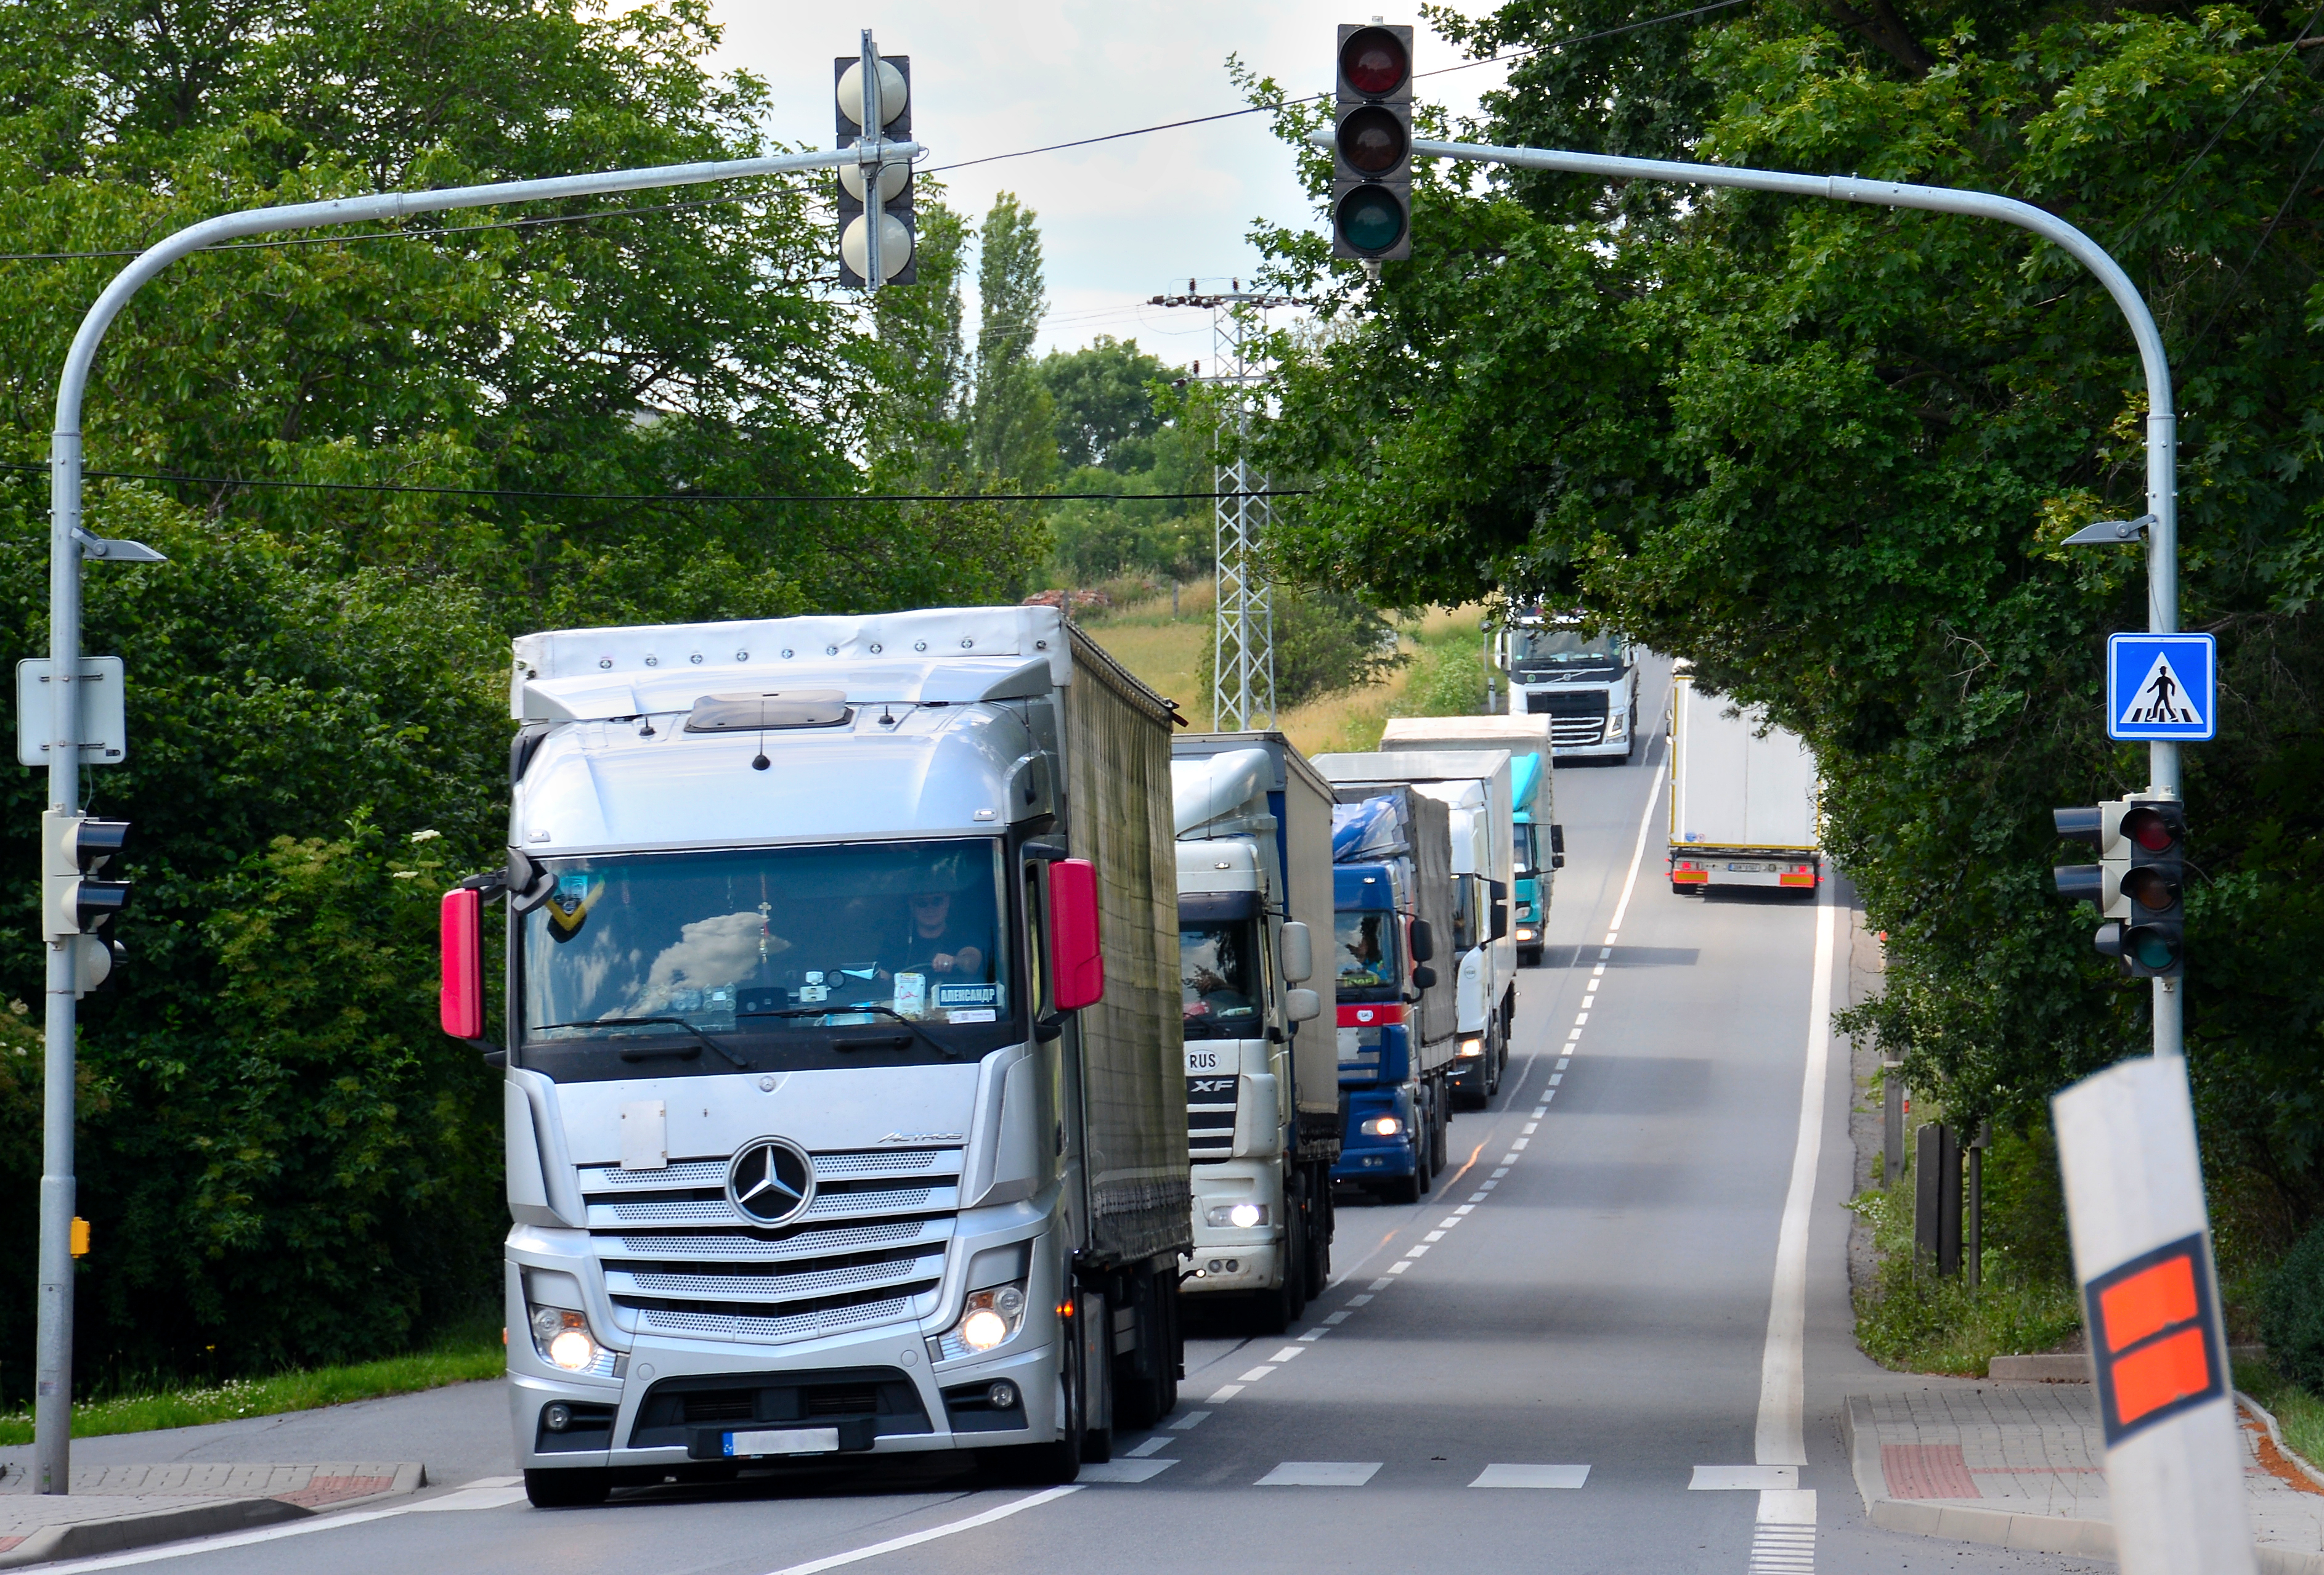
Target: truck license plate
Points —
{"points": [[1754, 868], [785, 1440]]}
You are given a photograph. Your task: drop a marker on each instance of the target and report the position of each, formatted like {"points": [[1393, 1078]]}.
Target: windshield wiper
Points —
{"points": [[671, 1022], [929, 1040]]}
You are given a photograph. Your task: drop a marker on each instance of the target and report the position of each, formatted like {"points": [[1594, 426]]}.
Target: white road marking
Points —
{"points": [[1339, 1317], [1778, 1440], [1226, 1393], [1479, 1196], [474, 1495], [1542, 1108], [1520, 1144], [1157, 1442], [1743, 1478], [1503, 1171], [1784, 1539], [1192, 1419], [1359, 1300], [1458, 1214], [1580, 1019], [1507, 1160], [1436, 1235], [1255, 1375], [470, 1493], [1315, 1334], [1605, 953], [1531, 1128], [1126, 1471], [1320, 1473], [1573, 1035], [1000, 1511], [1287, 1352], [1532, 1477], [1381, 1284], [1419, 1249], [1598, 972], [1557, 1078]]}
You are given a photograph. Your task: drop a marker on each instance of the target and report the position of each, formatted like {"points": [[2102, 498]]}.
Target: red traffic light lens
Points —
{"points": [[1374, 139], [1374, 63], [2150, 829], [1370, 218]]}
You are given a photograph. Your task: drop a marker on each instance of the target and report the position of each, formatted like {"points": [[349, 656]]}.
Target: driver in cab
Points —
{"points": [[941, 943]]}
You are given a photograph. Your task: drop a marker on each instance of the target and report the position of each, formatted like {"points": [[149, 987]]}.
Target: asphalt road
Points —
{"points": [[1614, 1339]]}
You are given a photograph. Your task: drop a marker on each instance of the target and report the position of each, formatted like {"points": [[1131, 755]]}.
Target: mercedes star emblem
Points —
{"points": [[770, 1181]]}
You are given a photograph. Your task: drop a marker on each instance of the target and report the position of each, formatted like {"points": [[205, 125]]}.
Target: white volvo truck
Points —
{"points": [[1262, 1055], [844, 1099]]}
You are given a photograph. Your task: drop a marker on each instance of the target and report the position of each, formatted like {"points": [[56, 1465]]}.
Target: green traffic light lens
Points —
{"points": [[1373, 140], [2153, 951], [1370, 218]]}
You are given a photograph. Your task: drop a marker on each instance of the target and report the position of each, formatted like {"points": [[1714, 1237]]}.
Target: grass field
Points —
{"points": [[1443, 674], [472, 1357]]}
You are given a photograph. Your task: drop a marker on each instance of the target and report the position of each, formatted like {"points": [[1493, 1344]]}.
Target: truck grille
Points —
{"points": [[1211, 1117], [869, 1250], [1576, 716]]}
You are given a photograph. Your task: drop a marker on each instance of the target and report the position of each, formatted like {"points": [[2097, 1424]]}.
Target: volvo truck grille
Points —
{"points": [[1211, 1117], [1576, 716], [870, 1249]]}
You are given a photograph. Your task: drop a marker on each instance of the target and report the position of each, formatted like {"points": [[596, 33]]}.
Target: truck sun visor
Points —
{"points": [[1210, 907], [751, 713]]}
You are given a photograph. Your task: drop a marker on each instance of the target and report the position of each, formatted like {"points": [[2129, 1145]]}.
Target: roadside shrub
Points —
{"points": [[2291, 1317]]}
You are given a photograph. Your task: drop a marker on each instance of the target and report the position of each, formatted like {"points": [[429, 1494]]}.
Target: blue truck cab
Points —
{"points": [[1394, 1014]]}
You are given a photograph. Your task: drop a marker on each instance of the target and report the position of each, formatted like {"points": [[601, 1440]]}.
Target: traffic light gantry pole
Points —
{"points": [[69, 543], [2161, 525]]}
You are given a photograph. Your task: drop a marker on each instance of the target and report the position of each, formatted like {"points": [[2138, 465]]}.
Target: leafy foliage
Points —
{"points": [[1827, 452], [2291, 1317]]}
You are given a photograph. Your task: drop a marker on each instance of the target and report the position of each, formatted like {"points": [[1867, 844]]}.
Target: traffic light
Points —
{"points": [[73, 848], [898, 228], [2139, 887], [1371, 147]]}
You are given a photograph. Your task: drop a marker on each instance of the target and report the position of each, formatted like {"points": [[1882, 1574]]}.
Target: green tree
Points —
{"points": [[1013, 421], [1829, 452], [1107, 411]]}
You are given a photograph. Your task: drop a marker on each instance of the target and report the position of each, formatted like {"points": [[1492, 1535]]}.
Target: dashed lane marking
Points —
{"points": [[1192, 1419], [1320, 1473], [1153, 1445], [1255, 1375], [1126, 1471], [1226, 1392], [1532, 1477]]}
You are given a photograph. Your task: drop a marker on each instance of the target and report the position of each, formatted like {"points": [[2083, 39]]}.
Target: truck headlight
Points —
{"points": [[1237, 1216], [1618, 722], [1382, 1127], [1525, 932], [1470, 1048], [562, 1338], [989, 1318]]}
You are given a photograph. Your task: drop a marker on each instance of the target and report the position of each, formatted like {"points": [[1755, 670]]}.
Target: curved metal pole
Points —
{"points": [[52, 1390], [2161, 419]]}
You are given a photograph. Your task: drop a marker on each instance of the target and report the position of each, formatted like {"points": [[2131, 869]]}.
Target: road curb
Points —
{"points": [[120, 1533], [2026, 1533]]}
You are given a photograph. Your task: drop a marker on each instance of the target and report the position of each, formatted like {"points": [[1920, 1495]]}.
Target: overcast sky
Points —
{"points": [[1122, 221]]}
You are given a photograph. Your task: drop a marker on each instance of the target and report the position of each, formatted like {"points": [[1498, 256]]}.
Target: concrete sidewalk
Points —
{"points": [[114, 1509], [2024, 1466]]}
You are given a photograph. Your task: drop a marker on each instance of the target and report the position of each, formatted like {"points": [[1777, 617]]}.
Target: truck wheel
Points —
{"points": [[1319, 1247], [1142, 1398], [1406, 1189], [1059, 1461], [1097, 1438], [1440, 1147], [570, 1489]]}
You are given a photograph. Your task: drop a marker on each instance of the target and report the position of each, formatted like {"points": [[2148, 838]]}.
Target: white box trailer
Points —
{"points": [[1746, 800]]}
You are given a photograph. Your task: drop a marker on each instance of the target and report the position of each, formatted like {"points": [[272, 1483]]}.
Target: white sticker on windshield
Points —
{"points": [[971, 1015], [911, 994]]}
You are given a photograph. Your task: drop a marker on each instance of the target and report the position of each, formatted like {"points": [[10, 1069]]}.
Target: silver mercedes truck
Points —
{"points": [[843, 1070]]}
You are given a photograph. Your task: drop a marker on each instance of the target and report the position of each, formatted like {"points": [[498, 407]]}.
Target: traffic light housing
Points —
{"points": [[899, 227], [73, 849], [2139, 887], [1371, 143]]}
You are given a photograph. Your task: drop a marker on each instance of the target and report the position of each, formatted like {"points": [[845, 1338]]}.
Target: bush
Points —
{"points": [[1324, 643], [2291, 1316]]}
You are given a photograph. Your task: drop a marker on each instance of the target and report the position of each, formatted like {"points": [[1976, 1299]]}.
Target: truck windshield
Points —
{"points": [[1218, 979], [1562, 651], [1366, 943], [767, 958]]}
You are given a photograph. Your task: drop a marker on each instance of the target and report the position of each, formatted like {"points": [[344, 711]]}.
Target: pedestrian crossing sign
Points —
{"points": [[2162, 687]]}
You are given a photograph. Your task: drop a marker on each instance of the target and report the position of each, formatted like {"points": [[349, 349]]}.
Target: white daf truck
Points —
{"points": [[845, 1111], [1263, 1056], [1746, 800]]}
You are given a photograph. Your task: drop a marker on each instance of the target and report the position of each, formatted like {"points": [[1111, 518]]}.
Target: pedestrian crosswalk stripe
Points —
{"points": [[1320, 1473], [1532, 1477]]}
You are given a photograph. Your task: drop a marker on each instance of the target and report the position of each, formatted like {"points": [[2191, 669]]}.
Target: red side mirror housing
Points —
{"points": [[461, 938], [1077, 963]]}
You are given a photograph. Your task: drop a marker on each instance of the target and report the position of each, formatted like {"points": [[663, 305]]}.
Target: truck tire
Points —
{"points": [[1441, 1147], [1319, 1244], [573, 1487], [1097, 1440], [1405, 1189], [1059, 1461]]}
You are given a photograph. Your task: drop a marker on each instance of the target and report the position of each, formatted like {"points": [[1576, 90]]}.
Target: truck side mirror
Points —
{"points": [[460, 938], [1424, 942], [1424, 978], [1500, 893], [1298, 955], [1299, 1005], [1075, 960], [1557, 847]]}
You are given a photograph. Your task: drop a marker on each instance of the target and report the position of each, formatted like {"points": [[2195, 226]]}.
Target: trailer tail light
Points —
{"points": [[1079, 965], [1689, 870], [1797, 875], [461, 934]]}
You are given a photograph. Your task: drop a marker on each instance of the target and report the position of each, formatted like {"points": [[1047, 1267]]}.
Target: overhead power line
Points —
{"points": [[695, 498], [664, 207]]}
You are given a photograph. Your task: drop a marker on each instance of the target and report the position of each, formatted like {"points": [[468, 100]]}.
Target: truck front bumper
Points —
{"points": [[1227, 1257], [1366, 1156]]}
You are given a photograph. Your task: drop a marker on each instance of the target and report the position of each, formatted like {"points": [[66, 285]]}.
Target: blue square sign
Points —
{"points": [[2161, 688]]}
